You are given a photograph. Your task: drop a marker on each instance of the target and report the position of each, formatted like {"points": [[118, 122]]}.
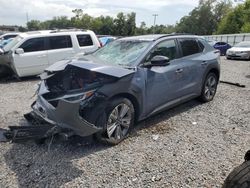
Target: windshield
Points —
{"points": [[12, 43], [122, 52], [243, 44]]}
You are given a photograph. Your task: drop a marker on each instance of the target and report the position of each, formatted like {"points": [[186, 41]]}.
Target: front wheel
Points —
{"points": [[209, 87], [119, 118]]}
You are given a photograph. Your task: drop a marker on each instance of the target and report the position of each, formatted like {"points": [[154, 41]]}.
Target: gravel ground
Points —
{"points": [[192, 145]]}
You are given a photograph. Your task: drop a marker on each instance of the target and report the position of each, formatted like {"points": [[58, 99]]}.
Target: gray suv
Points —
{"points": [[128, 80]]}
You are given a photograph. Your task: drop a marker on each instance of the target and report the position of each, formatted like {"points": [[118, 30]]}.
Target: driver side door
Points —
{"points": [[163, 82]]}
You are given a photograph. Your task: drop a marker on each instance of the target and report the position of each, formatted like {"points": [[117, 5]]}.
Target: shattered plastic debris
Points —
{"points": [[155, 137]]}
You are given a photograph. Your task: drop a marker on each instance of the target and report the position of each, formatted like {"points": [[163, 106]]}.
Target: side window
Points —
{"points": [[165, 48], [189, 47], [34, 45], [201, 46], [84, 40], [59, 42]]}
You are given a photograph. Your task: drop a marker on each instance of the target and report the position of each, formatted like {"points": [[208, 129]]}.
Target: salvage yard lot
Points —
{"points": [[192, 145]]}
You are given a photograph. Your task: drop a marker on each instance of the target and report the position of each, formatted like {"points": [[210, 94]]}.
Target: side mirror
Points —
{"points": [[160, 60], [19, 51]]}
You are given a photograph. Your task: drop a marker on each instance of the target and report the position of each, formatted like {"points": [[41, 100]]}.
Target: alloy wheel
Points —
{"points": [[119, 121], [210, 87]]}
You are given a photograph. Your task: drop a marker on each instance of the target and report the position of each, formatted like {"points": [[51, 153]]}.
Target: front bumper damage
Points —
{"points": [[65, 115]]}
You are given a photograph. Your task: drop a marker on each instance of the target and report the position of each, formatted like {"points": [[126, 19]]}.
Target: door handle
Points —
{"points": [[204, 63], [179, 71]]}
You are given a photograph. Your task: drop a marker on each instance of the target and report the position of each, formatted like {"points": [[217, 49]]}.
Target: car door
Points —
{"points": [[59, 47], [163, 82], [192, 66], [34, 59]]}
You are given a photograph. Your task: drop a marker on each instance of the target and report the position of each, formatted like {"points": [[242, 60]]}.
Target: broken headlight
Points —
{"points": [[79, 97]]}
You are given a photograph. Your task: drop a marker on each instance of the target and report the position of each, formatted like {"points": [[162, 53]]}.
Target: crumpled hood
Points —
{"points": [[90, 65]]}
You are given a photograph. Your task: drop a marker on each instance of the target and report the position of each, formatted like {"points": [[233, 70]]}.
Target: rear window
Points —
{"points": [[34, 45], [84, 40], [59, 42], [189, 47]]}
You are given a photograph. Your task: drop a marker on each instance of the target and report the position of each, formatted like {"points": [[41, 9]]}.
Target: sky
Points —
{"points": [[13, 12]]}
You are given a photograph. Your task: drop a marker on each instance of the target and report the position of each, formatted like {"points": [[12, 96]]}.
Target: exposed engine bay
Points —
{"points": [[76, 79]]}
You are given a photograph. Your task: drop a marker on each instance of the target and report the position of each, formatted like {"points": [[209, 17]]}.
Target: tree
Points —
{"points": [[34, 25], [131, 25], [236, 21], [120, 25], [203, 20]]}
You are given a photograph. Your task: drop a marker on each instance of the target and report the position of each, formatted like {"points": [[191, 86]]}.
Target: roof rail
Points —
{"points": [[174, 34], [67, 30]]}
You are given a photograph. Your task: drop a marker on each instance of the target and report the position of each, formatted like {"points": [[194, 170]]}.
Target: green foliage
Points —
{"points": [[122, 25], [236, 21], [203, 19]]}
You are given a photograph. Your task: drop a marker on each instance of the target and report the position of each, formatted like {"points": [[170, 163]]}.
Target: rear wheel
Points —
{"points": [[119, 119], [209, 87]]}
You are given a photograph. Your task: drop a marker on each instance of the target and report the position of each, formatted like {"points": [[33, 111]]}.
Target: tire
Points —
{"points": [[239, 177], [114, 129], [209, 87], [228, 57]]}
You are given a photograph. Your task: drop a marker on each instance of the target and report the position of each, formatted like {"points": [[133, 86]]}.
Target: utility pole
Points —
{"points": [[155, 15], [27, 18]]}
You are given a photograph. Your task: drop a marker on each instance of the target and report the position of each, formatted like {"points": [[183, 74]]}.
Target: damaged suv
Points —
{"points": [[130, 79]]}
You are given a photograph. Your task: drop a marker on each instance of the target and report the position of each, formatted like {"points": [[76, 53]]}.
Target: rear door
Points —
{"points": [[192, 66], [34, 59], [59, 47]]}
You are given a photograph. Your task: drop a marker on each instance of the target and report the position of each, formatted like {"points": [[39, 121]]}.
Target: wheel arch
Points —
{"points": [[133, 100], [215, 71]]}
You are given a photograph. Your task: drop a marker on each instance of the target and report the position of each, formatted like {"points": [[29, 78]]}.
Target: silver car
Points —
{"points": [[126, 81], [239, 51]]}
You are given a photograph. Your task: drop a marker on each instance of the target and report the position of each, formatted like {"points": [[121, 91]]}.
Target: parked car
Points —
{"points": [[7, 36], [4, 42], [222, 46], [130, 79], [240, 176], [239, 51], [106, 40], [30, 53]]}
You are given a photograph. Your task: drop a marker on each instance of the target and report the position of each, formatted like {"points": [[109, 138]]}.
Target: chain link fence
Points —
{"points": [[231, 39]]}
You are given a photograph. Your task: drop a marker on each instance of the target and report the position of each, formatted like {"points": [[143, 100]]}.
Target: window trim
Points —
{"points": [[45, 44], [181, 51], [48, 46], [178, 54], [84, 34]]}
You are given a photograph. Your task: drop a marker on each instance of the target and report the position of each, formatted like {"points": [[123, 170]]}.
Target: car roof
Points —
{"points": [[154, 37], [52, 32]]}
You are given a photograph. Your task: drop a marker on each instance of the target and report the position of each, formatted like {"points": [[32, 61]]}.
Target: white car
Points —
{"points": [[239, 51], [7, 36], [32, 52]]}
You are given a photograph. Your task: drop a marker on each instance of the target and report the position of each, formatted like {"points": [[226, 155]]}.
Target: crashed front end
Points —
{"points": [[67, 94]]}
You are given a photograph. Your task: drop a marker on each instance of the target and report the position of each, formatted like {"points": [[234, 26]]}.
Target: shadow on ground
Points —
{"points": [[36, 166], [13, 79]]}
